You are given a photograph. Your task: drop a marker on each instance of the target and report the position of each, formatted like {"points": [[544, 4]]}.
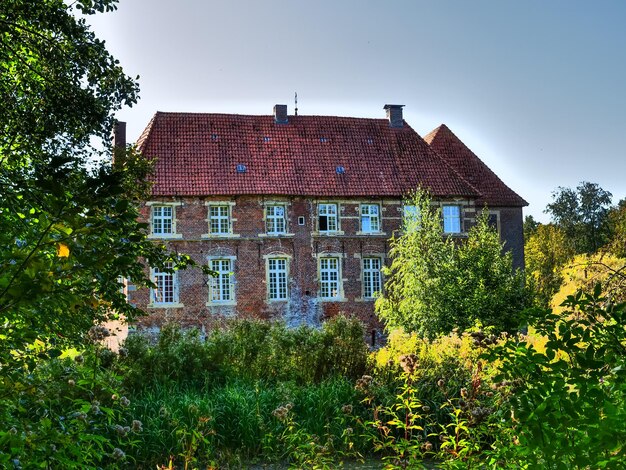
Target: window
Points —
{"points": [[494, 221], [409, 211], [162, 220], [277, 278], [221, 286], [219, 220], [275, 223], [370, 218], [371, 277], [451, 219], [166, 290], [329, 278], [327, 217]]}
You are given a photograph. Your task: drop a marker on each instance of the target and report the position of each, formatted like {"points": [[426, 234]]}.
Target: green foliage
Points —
{"points": [[433, 285], [567, 403], [69, 223], [250, 350], [66, 414], [617, 224], [530, 226], [246, 421], [547, 250], [582, 215]]}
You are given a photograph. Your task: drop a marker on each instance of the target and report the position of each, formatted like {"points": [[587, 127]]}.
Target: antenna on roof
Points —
{"points": [[296, 98]]}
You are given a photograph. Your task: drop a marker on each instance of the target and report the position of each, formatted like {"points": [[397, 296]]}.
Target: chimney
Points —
{"points": [[119, 138], [394, 114], [280, 114]]}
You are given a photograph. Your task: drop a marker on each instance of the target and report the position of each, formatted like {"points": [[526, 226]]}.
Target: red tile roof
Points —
{"points": [[493, 191], [198, 154]]}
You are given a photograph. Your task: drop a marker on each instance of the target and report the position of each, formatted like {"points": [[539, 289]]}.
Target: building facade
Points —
{"points": [[294, 213]]}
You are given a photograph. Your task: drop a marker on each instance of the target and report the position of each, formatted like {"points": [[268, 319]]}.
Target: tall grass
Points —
{"points": [[234, 424]]}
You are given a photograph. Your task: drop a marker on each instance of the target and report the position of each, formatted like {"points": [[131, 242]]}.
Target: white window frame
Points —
{"points": [[223, 220], [222, 286], [370, 218], [157, 216], [166, 291], [275, 223], [277, 279], [323, 210], [371, 276], [451, 218], [330, 278]]}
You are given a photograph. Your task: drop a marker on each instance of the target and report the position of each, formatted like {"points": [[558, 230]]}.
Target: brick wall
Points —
{"points": [[250, 247]]}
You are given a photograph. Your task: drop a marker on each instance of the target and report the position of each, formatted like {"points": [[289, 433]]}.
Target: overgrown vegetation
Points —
{"points": [[436, 283], [449, 386]]}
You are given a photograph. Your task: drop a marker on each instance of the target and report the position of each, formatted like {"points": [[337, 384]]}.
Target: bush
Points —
{"points": [[65, 414], [250, 350], [565, 406]]}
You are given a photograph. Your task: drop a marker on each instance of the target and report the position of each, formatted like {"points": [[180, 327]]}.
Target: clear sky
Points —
{"points": [[535, 88]]}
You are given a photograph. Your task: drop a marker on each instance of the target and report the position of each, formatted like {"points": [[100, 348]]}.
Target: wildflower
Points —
{"points": [[464, 392], [363, 383], [120, 430], [71, 383], [281, 413], [98, 333], [346, 409], [13, 430], [289, 406], [137, 425], [114, 397], [440, 383], [408, 363], [348, 431], [118, 454], [124, 402], [427, 446]]}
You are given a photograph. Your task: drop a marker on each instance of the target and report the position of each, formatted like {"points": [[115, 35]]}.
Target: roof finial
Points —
{"points": [[296, 98]]}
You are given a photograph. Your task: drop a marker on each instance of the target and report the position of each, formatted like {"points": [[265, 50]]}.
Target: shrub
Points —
{"points": [[565, 406], [250, 350], [65, 414]]}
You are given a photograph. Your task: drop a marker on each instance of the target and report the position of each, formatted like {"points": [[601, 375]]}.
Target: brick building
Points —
{"points": [[294, 213]]}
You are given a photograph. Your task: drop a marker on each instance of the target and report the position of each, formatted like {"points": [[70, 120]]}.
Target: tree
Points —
{"points": [[547, 250], [530, 226], [617, 224], [582, 214], [69, 224], [434, 286]]}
